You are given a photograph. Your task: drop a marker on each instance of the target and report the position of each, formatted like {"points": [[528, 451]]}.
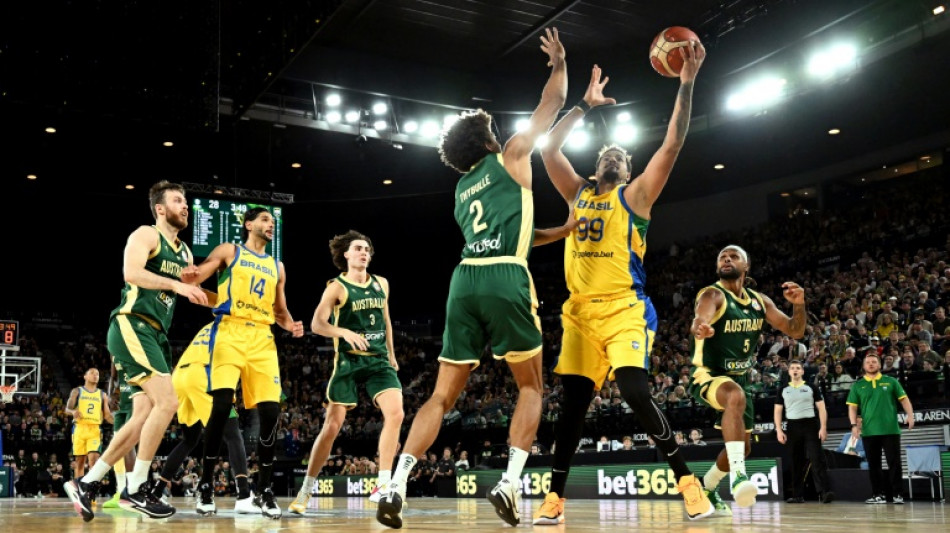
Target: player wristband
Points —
{"points": [[854, 425], [582, 105]]}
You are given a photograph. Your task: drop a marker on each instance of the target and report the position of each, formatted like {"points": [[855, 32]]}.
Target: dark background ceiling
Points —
{"points": [[118, 78]]}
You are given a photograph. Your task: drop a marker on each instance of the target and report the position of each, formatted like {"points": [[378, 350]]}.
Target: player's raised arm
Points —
{"points": [[793, 326], [517, 150], [643, 191]]}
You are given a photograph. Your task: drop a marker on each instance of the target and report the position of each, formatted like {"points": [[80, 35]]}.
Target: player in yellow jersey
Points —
{"points": [[89, 406], [609, 322], [250, 300]]}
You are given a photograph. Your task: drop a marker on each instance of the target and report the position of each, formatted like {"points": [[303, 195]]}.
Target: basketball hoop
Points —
{"points": [[7, 392]]}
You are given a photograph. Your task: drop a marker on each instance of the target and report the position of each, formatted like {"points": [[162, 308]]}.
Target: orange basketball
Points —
{"points": [[663, 54]]}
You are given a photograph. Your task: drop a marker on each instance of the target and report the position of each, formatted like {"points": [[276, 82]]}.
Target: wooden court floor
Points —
{"points": [[464, 514]]}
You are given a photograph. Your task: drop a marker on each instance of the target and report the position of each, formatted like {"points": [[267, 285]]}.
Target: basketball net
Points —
{"points": [[7, 392]]}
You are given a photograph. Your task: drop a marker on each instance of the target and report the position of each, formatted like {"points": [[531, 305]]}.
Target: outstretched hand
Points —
{"points": [[693, 57], [595, 91], [551, 45]]}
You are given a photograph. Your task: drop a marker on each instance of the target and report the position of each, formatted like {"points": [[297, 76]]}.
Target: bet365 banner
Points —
{"points": [[622, 481]]}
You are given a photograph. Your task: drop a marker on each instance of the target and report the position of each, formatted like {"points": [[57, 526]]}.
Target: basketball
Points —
{"points": [[663, 55]]}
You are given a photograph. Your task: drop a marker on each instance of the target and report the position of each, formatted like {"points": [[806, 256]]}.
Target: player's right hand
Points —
{"points": [[781, 436], [194, 293], [355, 340], [595, 91], [702, 330], [551, 45]]}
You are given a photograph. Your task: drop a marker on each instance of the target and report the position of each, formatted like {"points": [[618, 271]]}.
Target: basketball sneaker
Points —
{"points": [[268, 504], [142, 501], [722, 508], [743, 491], [377, 492], [506, 498], [246, 505], [111, 503], [875, 500], [697, 503], [899, 500], [299, 505], [205, 505], [81, 495], [551, 512], [389, 510]]}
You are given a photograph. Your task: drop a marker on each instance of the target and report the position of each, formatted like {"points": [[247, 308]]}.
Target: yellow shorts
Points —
{"points": [[191, 387], [604, 334], [87, 438], [245, 351]]}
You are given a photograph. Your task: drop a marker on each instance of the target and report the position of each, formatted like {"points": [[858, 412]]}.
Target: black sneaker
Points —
{"points": [[205, 505], [797, 499], [268, 505], [156, 488], [144, 502], [389, 509], [827, 497], [81, 494]]}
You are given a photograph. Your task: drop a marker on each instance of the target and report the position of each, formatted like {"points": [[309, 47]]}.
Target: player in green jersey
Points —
{"points": [[729, 319]]}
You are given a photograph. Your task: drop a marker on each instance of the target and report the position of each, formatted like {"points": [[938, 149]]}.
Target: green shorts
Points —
{"points": [[138, 350], [349, 370], [703, 385], [124, 412], [491, 302]]}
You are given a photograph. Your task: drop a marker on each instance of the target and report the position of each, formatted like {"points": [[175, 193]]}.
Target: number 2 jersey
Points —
{"points": [[604, 254], [738, 324]]}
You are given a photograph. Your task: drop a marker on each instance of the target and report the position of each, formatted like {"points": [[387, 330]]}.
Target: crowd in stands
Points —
{"points": [[874, 261]]}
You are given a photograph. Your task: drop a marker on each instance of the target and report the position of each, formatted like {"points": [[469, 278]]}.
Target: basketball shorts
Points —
{"points": [[604, 334], [350, 370], [703, 385], [86, 439], [493, 302], [244, 351], [138, 350]]}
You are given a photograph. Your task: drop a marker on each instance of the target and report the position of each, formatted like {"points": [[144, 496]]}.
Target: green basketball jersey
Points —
{"points": [[362, 312], [731, 351], [494, 212], [156, 306]]}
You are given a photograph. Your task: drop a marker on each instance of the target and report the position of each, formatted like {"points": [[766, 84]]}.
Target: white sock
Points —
{"points": [[713, 477], [138, 475], [384, 477], [97, 472], [735, 451], [307, 486], [516, 460], [401, 474]]}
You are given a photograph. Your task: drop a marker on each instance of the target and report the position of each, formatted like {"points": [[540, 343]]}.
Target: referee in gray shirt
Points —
{"points": [[804, 406]]}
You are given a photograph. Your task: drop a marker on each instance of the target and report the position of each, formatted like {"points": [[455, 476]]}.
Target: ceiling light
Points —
{"points": [[784, 195], [129, 187], [387, 182], [522, 124], [623, 116], [758, 94], [50, 130], [578, 139], [333, 117], [168, 144], [448, 120], [380, 108], [352, 116], [333, 99], [834, 131], [541, 142], [624, 133], [380, 125], [938, 10], [719, 166], [430, 128], [925, 158], [31, 176], [295, 165], [410, 126]]}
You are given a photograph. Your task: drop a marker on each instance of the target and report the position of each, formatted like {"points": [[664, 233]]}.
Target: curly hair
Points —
{"points": [[464, 143], [341, 243], [614, 148], [156, 194]]}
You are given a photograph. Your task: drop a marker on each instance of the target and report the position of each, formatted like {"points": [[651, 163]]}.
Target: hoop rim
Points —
{"points": [[7, 392]]}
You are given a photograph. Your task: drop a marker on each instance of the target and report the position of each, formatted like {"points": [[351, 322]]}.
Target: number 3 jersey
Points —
{"points": [[247, 289], [738, 324], [361, 311], [604, 254]]}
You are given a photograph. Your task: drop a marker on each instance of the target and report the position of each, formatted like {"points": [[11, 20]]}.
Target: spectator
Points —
{"points": [[462, 464]]}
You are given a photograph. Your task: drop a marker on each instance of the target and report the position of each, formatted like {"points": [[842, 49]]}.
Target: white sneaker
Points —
{"points": [[268, 504], [299, 505], [744, 491], [506, 498], [377, 492], [205, 505], [246, 505]]}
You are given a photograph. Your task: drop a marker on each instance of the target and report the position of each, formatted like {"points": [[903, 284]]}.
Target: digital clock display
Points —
{"points": [[9, 332]]}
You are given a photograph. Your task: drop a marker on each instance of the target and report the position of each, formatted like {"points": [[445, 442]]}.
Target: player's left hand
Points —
{"points": [[393, 363], [822, 434], [910, 422], [189, 274], [793, 292], [297, 329]]}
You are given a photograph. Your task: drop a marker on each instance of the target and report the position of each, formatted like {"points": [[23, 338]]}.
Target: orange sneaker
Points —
{"points": [[551, 512], [697, 503]]}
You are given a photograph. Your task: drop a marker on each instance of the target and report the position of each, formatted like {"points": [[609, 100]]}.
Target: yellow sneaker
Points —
{"points": [[299, 505], [697, 503], [112, 503], [551, 512]]}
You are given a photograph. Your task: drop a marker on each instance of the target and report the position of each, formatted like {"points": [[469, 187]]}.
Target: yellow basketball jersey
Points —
{"points": [[198, 352], [604, 255], [248, 287], [90, 405]]}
